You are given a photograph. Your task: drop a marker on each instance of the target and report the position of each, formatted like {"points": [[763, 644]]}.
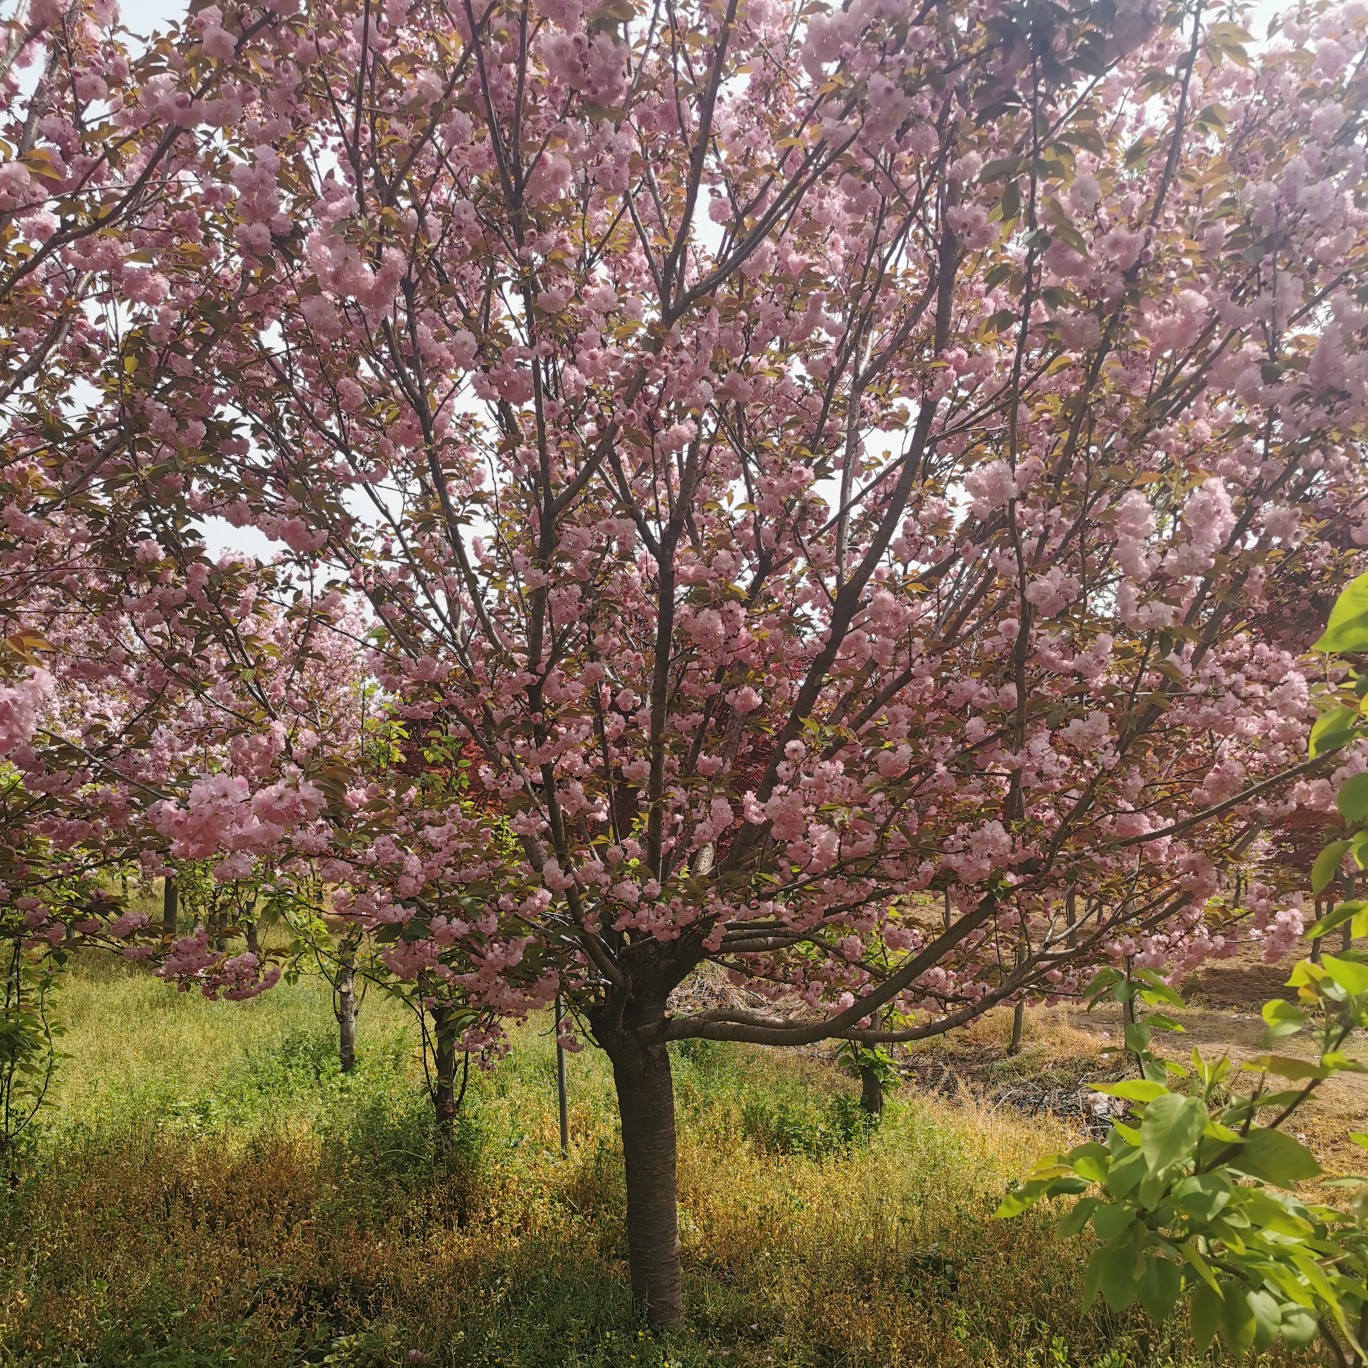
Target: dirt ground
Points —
{"points": [[1066, 1050]]}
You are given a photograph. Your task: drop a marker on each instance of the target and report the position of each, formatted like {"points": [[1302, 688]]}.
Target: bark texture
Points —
{"points": [[645, 1092], [444, 1084], [170, 905], [1018, 1021], [628, 1024], [346, 1015], [871, 1092]]}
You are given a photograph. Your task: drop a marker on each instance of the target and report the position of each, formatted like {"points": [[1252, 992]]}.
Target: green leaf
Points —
{"points": [[1327, 866], [1299, 1325], [1332, 730], [1111, 1221], [1091, 1161], [1195, 1257], [1237, 1322], [1346, 911], [1117, 1273], [1314, 1274], [1171, 1129], [1020, 1199], [1275, 1157], [1352, 800], [1271, 1211], [1159, 988], [1154, 1069], [1347, 629], [1011, 200], [1073, 1222], [1205, 1312], [1267, 1318], [1282, 1277], [1133, 1090], [1285, 1066], [1216, 1130], [1092, 1280], [1159, 1288], [1350, 974], [1203, 1195], [996, 170], [1282, 1017], [1137, 1037], [1100, 982], [1068, 1187]]}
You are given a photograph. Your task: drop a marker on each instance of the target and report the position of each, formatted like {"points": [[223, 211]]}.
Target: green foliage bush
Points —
{"points": [[815, 1128]]}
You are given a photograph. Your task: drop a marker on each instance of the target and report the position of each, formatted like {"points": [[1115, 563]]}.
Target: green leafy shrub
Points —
{"points": [[814, 1128]]}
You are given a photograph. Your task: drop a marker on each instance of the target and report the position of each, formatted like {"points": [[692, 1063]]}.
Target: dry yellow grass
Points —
{"points": [[211, 1193]]}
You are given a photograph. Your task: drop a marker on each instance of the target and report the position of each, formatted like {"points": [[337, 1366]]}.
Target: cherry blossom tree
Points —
{"points": [[840, 485], [157, 703], [114, 761], [117, 760]]}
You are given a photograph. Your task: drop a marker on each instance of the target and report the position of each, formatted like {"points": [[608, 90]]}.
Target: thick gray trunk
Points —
{"points": [[871, 1092], [626, 1025], [645, 1092]]}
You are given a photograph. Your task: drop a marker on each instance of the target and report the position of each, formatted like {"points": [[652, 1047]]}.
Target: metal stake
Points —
{"points": [[561, 1098]]}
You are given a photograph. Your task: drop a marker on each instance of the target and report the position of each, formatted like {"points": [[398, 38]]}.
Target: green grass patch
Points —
{"points": [[211, 1190]]}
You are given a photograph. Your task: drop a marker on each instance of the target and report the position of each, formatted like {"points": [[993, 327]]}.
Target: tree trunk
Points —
{"points": [[253, 937], [346, 1014], [1018, 1020], [645, 1092], [169, 905], [871, 1092], [444, 1088], [625, 1026]]}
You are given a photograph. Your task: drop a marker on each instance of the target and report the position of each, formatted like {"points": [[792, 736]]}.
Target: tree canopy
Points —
{"points": [[832, 492]]}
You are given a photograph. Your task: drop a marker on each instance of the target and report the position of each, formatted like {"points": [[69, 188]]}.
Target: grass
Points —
{"points": [[209, 1190]]}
